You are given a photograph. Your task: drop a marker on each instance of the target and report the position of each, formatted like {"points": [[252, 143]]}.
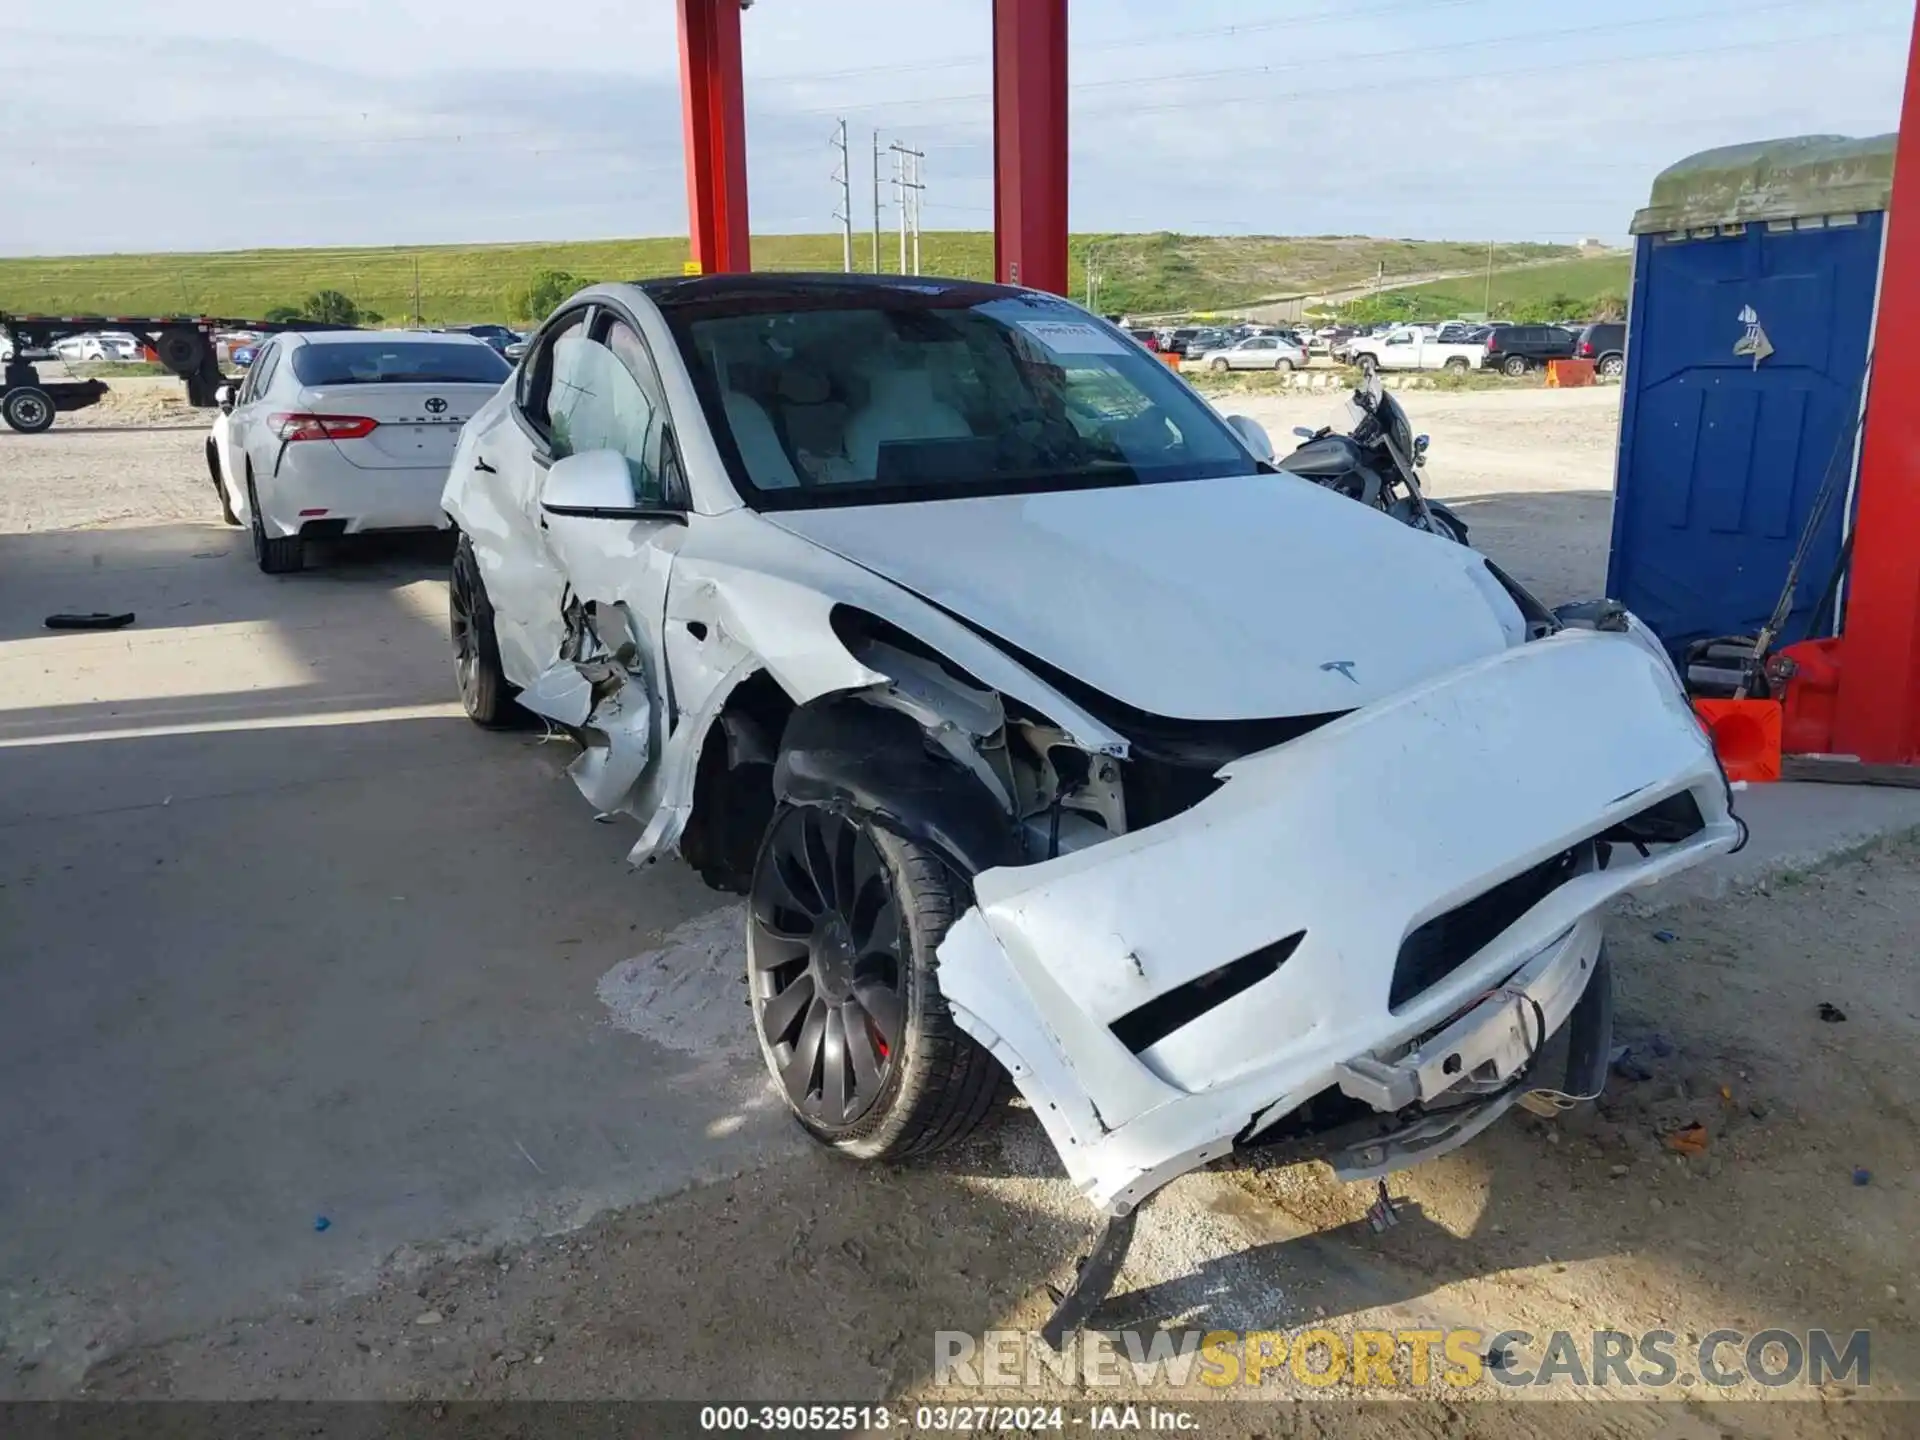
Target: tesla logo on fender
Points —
{"points": [[436, 406], [1345, 667]]}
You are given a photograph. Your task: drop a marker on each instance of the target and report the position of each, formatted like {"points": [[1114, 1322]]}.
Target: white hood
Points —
{"points": [[1253, 597]]}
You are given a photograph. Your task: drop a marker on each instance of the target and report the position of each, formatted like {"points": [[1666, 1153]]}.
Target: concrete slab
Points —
{"points": [[284, 936]]}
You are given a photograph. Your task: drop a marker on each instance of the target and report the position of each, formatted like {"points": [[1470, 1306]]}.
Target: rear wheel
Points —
{"points": [[1612, 365], [1457, 364], [1220, 367], [28, 409], [219, 485], [1282, 365], [484, 692], [1514, 366], [843, 919], [274, 554]]}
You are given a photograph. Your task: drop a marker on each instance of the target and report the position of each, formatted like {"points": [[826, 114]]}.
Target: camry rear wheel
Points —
{"points": [[843, 919], [274, 554], [484, 692]]}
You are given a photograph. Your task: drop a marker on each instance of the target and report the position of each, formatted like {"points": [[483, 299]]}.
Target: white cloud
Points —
{"points": [[418, 121]]}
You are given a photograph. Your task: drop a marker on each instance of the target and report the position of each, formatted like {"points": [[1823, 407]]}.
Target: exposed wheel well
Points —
{"points": [[733, 784]]}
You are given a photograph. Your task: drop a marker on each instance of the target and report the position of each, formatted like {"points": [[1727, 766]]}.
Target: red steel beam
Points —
{"points": [[1030, 143], [1877, 710], [713, 106]]}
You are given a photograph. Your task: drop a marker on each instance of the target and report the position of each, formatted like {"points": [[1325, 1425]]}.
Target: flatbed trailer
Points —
{"points": [[184, 344]]}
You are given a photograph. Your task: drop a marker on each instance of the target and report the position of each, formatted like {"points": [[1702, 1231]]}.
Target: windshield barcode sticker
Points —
{"points": [[1071, 337]]}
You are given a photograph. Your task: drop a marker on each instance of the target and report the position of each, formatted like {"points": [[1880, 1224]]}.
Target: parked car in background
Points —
{"points": [[1411, 348], [89, 349], [1147, 337], [495, 337], [1515, 349], [1605, 343], [1456, 332], [340, 432], [1257, 352]]}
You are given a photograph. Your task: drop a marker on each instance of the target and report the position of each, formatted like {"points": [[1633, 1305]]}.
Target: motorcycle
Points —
{"points": [[1377, 464]]}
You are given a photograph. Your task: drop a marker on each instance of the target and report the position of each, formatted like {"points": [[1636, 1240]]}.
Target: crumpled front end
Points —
{"points": [[1402, 907]]}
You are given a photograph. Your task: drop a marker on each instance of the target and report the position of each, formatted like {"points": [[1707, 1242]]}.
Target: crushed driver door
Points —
{"points": [[606, 680]]}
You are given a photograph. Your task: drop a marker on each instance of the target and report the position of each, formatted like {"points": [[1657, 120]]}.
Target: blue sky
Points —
{"points": [[151, 124]]}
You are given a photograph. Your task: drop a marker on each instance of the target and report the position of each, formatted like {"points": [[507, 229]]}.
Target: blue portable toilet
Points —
{"points": [[1755, 271]]}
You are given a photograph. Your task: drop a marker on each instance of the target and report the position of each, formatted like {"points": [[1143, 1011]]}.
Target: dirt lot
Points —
{"points": [[794, 1276], [842, 1276]]}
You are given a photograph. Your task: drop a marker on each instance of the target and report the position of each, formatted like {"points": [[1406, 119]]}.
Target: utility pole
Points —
{"points": [[906, 173], [1489, 300], [876, 202], [919, 190], [844, 214]]}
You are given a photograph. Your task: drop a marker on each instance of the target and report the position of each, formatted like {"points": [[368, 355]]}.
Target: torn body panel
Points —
{"points": [[1354, 837]]}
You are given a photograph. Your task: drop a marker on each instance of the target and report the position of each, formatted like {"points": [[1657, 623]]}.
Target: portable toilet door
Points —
{"points": [[1749, 325]]}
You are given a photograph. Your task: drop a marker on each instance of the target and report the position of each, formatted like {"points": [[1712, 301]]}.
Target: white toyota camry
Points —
{"points": [[1051, 730], [340, 432]]}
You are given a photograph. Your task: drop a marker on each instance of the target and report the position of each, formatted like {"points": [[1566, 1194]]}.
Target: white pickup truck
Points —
{"points": [[1411, 348]]}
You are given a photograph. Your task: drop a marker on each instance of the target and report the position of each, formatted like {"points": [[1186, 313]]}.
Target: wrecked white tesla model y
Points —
{"points": [[1050, 729]]}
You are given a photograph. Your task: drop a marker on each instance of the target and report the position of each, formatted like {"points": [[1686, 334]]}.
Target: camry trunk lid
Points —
{"points": [[1251, 597], [416, 425]]}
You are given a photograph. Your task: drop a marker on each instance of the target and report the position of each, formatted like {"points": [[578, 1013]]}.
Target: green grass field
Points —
{"points": [[1145, 272], [1581, 278]]}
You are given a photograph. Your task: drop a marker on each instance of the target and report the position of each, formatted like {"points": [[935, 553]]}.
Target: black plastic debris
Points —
{"points": [[1831, 1013], [92, 620], [1624, 1064], [1665, 937]]}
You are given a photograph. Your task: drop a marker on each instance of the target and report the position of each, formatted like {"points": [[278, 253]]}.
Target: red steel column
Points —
{"points": [[1877, 712], [713, 103], [1030, 143]]}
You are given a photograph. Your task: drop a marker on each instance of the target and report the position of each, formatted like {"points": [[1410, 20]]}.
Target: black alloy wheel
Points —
{"points": [[827, 965]]}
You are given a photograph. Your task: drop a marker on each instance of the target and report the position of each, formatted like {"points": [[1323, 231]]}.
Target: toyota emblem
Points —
{"points": [[436, 406]]}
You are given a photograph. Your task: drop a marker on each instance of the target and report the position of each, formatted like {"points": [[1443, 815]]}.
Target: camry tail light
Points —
{"points": [[294, 426]]}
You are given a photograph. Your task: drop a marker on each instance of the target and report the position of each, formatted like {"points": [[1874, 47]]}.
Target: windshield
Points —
{"points": [[892, 395], [398, 362]]}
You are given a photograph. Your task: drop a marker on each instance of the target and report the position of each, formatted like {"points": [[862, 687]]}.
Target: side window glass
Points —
{"points": [[264, 366], [597, 401], [536, 375]]}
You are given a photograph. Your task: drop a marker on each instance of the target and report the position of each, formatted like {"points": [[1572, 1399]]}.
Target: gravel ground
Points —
{"points": [[136, 458], [841, 1275]]}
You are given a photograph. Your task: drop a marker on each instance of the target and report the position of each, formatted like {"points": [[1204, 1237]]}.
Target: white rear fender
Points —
{"points": [[1292, 893]]}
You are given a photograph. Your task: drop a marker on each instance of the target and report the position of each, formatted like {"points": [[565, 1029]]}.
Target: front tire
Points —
{"points": [[1514, 366], [1369, 365], [275, 555], [843, 920], [28, 409], [485, 693], [1282, 366], [1220, 367]]}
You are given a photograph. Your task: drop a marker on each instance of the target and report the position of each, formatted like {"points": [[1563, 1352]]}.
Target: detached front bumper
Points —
{"points": [[1403, 906]]}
